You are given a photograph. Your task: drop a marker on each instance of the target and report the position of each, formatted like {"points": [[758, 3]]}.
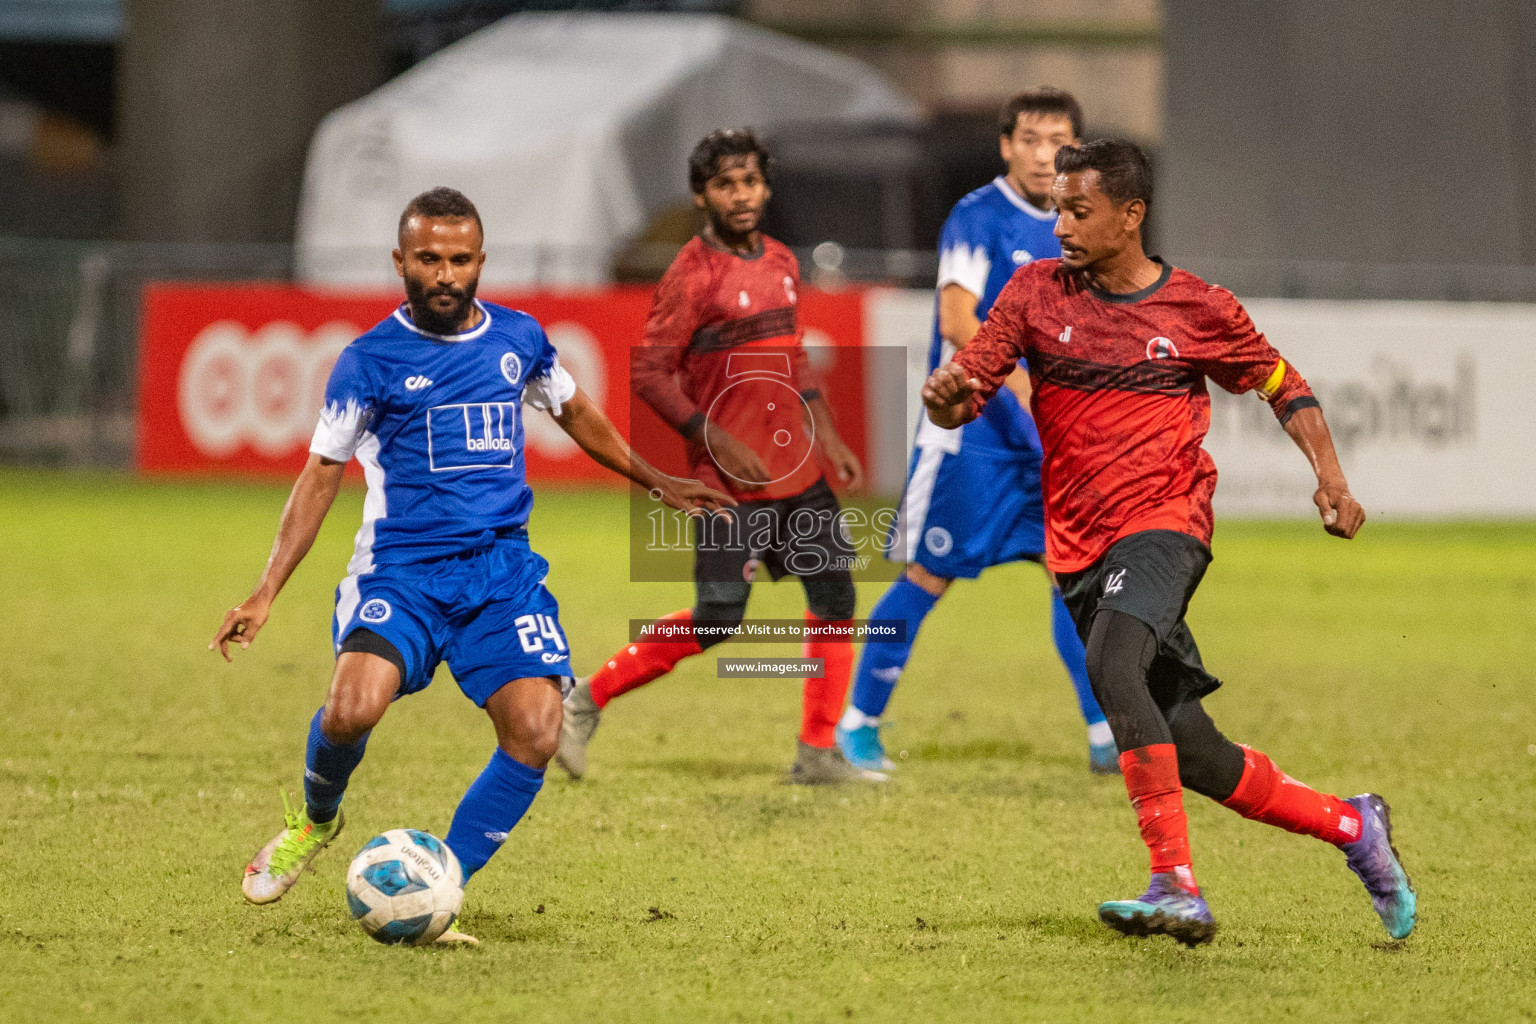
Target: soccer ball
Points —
{"points": [[405, 886]]}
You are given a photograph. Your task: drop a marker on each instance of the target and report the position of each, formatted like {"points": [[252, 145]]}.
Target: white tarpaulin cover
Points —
{"points": [[568, 131]]}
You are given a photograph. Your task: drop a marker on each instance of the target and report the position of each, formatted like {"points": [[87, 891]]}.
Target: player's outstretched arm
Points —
{"points": [[1342, 514], [587, 425], [310, 500], [947, 396]]}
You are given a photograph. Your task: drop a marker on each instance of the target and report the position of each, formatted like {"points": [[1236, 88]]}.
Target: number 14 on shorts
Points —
{"points": [[533, 630]]}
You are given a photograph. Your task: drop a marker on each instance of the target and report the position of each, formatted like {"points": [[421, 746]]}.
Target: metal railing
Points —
{"points": [[69, 319]]}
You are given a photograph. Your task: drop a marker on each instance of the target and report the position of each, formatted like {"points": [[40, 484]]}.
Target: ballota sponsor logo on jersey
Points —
{"points": [[232, 378]]}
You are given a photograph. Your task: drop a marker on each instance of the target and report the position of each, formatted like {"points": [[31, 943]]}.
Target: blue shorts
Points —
{"points": [[486, 613], [965, 511]]}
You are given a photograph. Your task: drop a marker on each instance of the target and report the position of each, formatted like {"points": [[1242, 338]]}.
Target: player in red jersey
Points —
{"points": [[1118, 347], [722, 363]]}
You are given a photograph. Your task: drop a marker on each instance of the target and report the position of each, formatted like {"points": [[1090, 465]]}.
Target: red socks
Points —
{"points": [[1267, 794], [1264, 793], [822, 702], [1152, 780], [639, 663]]}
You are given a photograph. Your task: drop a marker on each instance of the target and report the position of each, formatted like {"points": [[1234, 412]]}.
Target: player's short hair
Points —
{"points": [[704, 162], [1047, 100], [1124, 173], [441, 202]]}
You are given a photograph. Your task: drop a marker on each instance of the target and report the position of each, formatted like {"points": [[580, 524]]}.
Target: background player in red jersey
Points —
{"points": [[1118, 347], [723, 364]]}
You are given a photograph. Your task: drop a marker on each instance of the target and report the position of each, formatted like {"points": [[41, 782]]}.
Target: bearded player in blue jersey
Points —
{"points": [[429, 402], [973, 496]]}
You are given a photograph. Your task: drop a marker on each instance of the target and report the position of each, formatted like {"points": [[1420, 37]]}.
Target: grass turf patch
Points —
{"points": [[681, 881]]}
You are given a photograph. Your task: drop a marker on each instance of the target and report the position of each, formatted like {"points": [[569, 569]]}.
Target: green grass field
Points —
{"points": [[681, 881]]}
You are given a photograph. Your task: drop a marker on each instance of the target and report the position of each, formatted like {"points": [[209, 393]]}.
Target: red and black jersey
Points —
{"points": [[1120, 397], [723, 344]]}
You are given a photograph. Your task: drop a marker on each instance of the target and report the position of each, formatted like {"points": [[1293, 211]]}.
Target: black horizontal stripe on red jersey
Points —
{"points": [[1154, 376], [772, 323]]}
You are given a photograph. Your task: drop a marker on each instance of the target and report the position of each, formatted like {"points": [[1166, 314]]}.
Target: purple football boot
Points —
{"points": [[1375, 860], [1164, 909]]}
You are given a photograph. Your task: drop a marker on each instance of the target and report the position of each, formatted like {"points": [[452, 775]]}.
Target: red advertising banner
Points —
{"points": [[232, 378]]}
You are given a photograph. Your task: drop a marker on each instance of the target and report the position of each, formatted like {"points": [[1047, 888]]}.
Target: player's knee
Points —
{"points": [[1119, 651], [722, 618], [350, 714], [532, 732], [832, 600]]}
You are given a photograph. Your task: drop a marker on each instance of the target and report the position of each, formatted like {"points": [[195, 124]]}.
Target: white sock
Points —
{"points": [[853, 718], [1099, 734]]}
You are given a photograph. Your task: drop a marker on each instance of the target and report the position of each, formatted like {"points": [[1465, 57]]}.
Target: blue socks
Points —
{"points": [[1070, 646], [493, 804], [880, 665], [327, 767]]}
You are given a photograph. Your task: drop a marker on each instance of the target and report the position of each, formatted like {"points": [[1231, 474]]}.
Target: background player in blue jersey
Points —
{"points": [[429, 402], [973, 495]]}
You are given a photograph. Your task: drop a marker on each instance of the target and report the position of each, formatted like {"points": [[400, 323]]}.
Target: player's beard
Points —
{"points": [[728, 234], [418, 296]]}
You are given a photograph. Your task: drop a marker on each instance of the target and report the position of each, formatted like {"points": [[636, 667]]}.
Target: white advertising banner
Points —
{"points": [[1428, 402]]}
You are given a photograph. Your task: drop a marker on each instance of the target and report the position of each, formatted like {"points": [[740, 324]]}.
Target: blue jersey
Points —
{"points": [[989, 234], [436, 422]]}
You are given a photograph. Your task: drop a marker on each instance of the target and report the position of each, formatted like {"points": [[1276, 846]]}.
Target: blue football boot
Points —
{"points": [[1375, 860], [863, 749], [1164, 909]]}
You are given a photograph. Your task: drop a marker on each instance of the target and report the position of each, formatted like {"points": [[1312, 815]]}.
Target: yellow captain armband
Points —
{"points": [[1270, 387]]}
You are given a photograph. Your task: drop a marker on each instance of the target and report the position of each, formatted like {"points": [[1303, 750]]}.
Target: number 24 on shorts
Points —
{"points": [[533, 630]]}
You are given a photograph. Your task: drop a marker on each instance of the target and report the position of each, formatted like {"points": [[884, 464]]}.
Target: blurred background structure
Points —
{"points": [[1311, 150]]}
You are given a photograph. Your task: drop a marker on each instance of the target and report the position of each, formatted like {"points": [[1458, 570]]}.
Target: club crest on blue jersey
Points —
{"points": [[511, 368], [375, 611]]}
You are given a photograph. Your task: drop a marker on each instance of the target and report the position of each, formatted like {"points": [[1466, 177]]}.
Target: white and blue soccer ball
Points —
{"points": [[405, 886]]}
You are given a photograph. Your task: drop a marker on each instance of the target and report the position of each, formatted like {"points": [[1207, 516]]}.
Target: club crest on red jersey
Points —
{"points": [[1162, 348]]}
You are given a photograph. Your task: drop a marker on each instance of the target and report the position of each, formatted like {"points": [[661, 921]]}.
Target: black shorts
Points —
{"points": [[802, 535], [1150, 576]]}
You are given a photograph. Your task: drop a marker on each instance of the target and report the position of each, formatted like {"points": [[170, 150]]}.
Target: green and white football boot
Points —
{"points": [[279, 864]]}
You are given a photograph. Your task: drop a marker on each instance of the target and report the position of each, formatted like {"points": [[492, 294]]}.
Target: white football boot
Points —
{"points": [[576, 728]]}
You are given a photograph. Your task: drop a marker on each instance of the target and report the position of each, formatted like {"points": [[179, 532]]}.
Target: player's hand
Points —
{"points": [[1342, 514], [241, 624], [691, 496], [947, 394], [743, 465], [843, 463]]}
